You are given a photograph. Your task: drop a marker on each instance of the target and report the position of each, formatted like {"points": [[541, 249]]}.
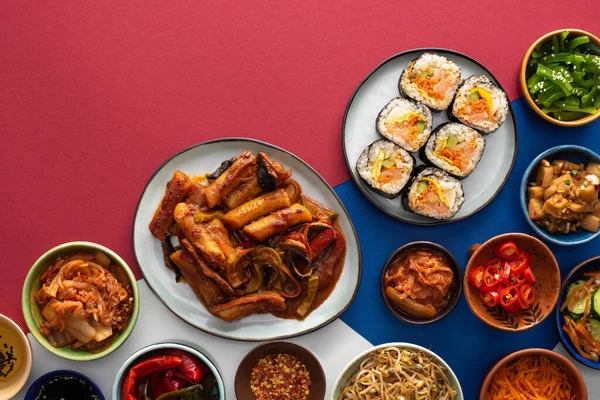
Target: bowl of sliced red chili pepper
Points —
{"points": [[512, 282], [168, 370]]}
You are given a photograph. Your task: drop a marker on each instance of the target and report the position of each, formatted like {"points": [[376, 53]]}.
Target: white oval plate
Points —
{"points": [[358, 131], [180, 298]]}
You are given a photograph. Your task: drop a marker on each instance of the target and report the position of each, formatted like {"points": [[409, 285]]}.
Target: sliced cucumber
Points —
{"points": [[452, 141], [593, 326], [579, 307], [596, 301], [473, 96], [420, 126], [388, 162], [422, 186]]}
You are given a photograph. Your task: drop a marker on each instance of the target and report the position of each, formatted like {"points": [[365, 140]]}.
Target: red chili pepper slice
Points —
{"points": [[515, 267], [495, 262], [491, 278], [524, 258], [508, 297], [505, 273], [489, 299], [528, 275], [526, 296], [508, 251], [476, 277], [516, 280]]}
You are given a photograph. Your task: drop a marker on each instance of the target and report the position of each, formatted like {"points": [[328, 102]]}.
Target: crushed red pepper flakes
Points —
{"points": [[280, 377]]}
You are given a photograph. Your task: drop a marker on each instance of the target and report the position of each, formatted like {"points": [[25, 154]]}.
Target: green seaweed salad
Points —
{"points": [[563, 76]]}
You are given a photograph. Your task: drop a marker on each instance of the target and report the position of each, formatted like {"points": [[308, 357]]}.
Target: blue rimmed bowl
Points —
{"points": [[591, 264], [575, 154]]}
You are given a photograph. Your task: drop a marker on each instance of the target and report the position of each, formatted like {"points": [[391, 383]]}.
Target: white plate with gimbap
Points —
{"points": [[415, 133]]}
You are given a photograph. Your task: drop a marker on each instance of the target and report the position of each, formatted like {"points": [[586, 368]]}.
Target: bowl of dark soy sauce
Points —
{"points": [[64, 385]]}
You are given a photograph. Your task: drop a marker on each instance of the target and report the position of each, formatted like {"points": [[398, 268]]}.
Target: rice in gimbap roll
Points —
{"points": [[455, 148], [406, 123], [385, 167], [480, 104], [431, 79], [434, 193]]}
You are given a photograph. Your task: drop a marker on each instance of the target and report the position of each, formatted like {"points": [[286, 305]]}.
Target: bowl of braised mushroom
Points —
{"points": [[559, 195]]}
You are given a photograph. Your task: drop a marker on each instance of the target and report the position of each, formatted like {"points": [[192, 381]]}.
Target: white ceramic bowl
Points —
{"points": [[145, 352], [353, 366]]}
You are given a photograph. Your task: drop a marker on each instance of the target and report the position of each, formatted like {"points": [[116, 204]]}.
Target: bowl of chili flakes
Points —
{"points": [[280, 370]]}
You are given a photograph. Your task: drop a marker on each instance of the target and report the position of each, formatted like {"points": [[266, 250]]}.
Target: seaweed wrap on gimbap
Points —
{"points": [[480, 104], [406, 123], [431, 79], [455, 148], [385, 167], [434, 193]]}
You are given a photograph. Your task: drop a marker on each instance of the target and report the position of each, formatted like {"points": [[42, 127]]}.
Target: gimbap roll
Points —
{"points": [[431, 79], [385, 167], [455, 148], [406, 123], [480, 104], [434, 193]]}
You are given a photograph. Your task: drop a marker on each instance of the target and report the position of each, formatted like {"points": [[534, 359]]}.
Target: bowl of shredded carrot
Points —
{"points": [[537, 374]]}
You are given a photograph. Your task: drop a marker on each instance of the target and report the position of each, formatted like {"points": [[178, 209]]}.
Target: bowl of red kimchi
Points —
{"points": [[80, 301]]}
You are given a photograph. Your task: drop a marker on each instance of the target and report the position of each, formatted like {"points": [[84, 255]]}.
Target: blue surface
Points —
{"points": [[592, 265], [576, 154], [468, 345]]}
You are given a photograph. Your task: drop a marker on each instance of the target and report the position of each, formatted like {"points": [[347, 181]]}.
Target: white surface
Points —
{"points": [[157, 324], [360, 131], [590, 375], [180, 298]]}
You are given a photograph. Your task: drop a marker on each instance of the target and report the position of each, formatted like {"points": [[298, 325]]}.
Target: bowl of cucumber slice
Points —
{"points": [[578, 313]]}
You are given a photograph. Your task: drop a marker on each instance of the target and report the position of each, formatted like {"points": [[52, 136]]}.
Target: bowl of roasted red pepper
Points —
{"points": [[512, 282], [168, 371]]}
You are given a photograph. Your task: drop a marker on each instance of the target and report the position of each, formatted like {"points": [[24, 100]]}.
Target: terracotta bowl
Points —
{"points": [[455, 290], [573, 374], [523, 80], [317, 376], [547, 285]]}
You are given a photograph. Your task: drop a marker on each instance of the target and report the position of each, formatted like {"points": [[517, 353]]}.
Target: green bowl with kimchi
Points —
{"points": [[578, 313], [59, 340]]}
